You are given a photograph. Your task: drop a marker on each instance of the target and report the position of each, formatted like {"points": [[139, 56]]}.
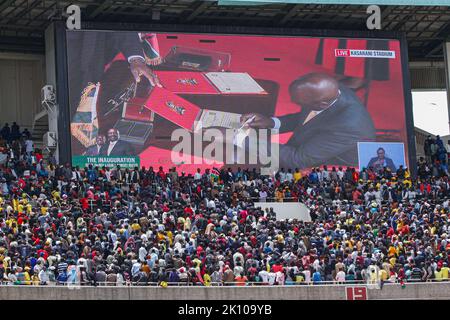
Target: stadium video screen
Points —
{"points": [[207, 100]]}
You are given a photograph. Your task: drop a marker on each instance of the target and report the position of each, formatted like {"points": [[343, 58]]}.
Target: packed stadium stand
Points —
{"points": [[92, 199]]}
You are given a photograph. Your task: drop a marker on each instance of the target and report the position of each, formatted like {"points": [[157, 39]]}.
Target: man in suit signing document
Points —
{"points": [[326, 131]]}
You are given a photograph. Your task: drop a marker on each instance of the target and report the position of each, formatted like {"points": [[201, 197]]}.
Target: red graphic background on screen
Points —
{"points": [[280, 60]]}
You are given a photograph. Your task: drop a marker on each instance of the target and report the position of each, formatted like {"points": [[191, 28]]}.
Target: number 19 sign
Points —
{"points": [[356, 293]]}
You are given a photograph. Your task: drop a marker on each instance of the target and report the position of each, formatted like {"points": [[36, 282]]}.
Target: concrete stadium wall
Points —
{"points": [[21, 79], [421, 291]]}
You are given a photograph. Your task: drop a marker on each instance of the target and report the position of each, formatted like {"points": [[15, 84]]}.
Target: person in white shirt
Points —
{"points": [[211, 204], [135, 268], [340, 174], [238, 257], [12, 278], [142, 254], [282, 174], [340, 276], [264, 276], [325, 174], [319, 174], [271, 278], [280, 278], [197, 175], [29, 146], [238, 270], [289, 176], [307, 274], [120, 281], [262, 196]]}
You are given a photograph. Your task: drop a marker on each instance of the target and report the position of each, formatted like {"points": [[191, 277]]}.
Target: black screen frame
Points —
{"points": [[62, 76]]}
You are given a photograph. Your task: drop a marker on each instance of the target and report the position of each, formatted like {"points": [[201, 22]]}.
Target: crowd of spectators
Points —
{"points": [[93, 226], [436, 152]]}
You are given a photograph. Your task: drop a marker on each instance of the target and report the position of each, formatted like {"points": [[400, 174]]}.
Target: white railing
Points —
{"points": [[218, 284]]}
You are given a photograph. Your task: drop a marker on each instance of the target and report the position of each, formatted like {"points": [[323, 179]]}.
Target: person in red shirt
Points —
{"points": [[38, 156], [372, 175], [84, 203], [355, 175], [161, 173], [240, 280], [356, 195], [277, 268], [404, 230], [390, 232]]}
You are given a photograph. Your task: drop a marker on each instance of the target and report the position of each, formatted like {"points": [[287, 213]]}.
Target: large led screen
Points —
{"points": [[213, 101]]}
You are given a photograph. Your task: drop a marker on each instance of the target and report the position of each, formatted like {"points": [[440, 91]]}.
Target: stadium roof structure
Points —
{"points": [[23, 22]]}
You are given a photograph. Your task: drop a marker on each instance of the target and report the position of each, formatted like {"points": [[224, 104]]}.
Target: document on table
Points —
{"points": [[212, 118], [234, 83]]}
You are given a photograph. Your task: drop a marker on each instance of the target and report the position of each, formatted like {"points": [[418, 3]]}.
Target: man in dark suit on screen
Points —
{"points": [[381, 161], [116, 147], [327, 129], [94, 150]]}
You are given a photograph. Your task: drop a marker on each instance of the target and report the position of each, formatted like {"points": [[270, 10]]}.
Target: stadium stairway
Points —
{"points": [[40, 127]]}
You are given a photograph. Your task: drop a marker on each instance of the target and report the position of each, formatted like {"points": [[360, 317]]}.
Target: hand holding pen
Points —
{"points": [[257, 121]]}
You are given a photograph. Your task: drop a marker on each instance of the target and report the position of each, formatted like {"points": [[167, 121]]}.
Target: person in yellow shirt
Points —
{"points": [[280, 238], [135, 226], [407, 183], [407, 174], [383, 275], [392, 251], [56, 195], [445, 270], [207, 279], [170, 237], [399, 225], [7, 263], [161, 237], [197, 264], [299, 278], [297, 175], [35, 280], [20, 208], [433, 230], [15, 204], [29, 208], [27, 276], [359, 245], [12, 223], [438, 274], [393, 261]]}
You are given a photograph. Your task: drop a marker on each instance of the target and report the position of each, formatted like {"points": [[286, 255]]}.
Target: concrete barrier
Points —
{"points": [[420, 291]]}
